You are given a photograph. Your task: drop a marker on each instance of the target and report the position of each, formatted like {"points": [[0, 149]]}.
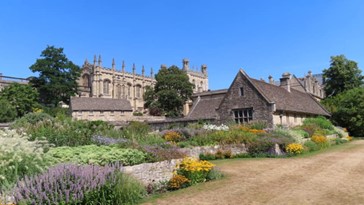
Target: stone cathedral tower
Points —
{"points": [[98, 81]]}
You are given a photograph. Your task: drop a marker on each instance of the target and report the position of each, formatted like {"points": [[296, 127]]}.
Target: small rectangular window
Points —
{"points": [[241, 91]]}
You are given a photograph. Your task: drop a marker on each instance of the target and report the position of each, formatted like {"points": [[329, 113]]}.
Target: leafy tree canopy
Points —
{"points": [[342, 75], [58, 76], [348, 110], [23, 97], [170, 93], [7, 111]]}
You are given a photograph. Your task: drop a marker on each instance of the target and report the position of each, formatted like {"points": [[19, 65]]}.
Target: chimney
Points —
{"points": [[285, 81], [186, 65], [271, 80]]}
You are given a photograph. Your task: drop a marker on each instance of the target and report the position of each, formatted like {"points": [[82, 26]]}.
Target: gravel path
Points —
{"points": [[333, 177]]}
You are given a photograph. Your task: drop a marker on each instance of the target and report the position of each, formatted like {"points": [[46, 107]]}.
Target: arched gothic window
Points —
{"points": [[106, 87], [138, 91], [86, 80]]}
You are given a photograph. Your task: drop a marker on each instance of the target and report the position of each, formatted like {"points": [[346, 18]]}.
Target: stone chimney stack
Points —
{"points": [[271, 80], [186, 64], [286, 81]]}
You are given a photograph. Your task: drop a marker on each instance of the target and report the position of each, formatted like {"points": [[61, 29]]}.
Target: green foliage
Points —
{"points": [[57, 79], [342, 75], [19, 157], [31, 119], [124, 190], [137, 114], [320, 121], [171, 91], [311, 146], [207, 156], [23, 97], [93, 154], [259, 125], [61, 131], [349, 110], [214, 174], [7, 111]]}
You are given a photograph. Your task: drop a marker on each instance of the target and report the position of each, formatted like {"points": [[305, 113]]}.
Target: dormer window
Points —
{"points": [[241, 91]]}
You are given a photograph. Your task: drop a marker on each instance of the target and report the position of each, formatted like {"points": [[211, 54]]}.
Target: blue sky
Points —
{"points": [[263, 37]]}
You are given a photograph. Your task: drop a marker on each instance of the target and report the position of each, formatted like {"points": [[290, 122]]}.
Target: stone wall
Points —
{"points": [[196, 151], [151, 173]]}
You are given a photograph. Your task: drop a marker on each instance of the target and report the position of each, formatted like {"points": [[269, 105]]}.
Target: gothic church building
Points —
{"points": [[97, 81]]}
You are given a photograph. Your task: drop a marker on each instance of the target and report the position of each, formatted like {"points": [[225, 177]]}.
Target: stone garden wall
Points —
{"points": [[151, 173]]}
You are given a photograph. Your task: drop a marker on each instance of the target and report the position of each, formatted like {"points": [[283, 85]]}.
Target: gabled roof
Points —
{"points": [[294, 101], [206, 103], [100, 104]]}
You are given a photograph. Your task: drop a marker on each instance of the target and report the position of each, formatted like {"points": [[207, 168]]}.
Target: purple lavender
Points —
{"points": [[64, 183], [108, 140]]}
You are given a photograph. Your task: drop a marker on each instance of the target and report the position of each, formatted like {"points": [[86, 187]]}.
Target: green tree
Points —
{"points": [[347, 110], [58, 76], [7, 111], [342, 75], [171, 91], [23, 97]]}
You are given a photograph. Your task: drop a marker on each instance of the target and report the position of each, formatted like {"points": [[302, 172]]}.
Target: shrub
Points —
{"points": [[311, 146], [31, 119], [79, 184], [207, 156], [320, 121], [101, 140], [92, 154], [7, 112], [137, 114], [215, 127], [158, 153], [61, 132], [294, 148], [310, 128], [195, 170], [214, 174], [319, 139], [19, 157], [258, 125], [172, 136], [178, 182], [263, 144]]}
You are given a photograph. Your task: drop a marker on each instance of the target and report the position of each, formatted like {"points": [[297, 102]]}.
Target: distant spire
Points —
{"points": [[113, 64], [133, 68], [86, 61], [151, 73], [143, 70], [94, 60], [123, 67], [100, 61]]}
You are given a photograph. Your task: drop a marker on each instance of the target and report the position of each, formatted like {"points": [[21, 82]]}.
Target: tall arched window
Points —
{"points": [[129, 89], [138, 91], [86, 80], [106, 87]]}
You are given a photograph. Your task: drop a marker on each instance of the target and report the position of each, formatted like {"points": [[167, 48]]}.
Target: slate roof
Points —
{"points": [[206, 103], [295, 101], [100, 104]]}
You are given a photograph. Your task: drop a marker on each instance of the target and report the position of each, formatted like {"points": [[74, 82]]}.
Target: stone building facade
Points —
{"points": [[7, 80], [97, 81], [248, 100], [313, 84]]}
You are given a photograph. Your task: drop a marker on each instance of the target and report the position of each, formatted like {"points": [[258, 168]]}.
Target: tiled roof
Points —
{"points": [[205, 106], [294, 101], [99, 104]]}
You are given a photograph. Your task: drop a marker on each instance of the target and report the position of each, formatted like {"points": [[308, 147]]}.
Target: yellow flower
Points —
{"points": [[294, 148]]}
